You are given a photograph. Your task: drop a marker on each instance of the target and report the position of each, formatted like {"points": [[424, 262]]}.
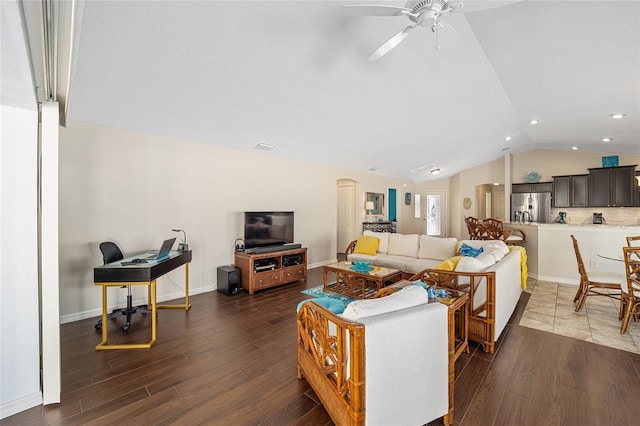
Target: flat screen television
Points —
{"points": [[267, 229]]}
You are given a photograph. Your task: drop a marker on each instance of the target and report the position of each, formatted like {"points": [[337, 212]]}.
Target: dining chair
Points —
{"points": [[595, 283], [494, 230], [475, 228], [630, 291], [633, 241]]}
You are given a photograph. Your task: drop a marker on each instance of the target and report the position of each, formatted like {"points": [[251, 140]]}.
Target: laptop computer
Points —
{"points": [[164, 250]]}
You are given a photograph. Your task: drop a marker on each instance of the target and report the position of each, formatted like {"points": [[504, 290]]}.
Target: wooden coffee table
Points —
{"points": [[359, 285]]}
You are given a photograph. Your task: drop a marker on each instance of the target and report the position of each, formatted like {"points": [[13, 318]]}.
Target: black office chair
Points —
{"points": [[111, 253]]}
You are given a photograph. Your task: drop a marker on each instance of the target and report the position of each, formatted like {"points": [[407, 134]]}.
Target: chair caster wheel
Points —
{"points": [[98, 326]]}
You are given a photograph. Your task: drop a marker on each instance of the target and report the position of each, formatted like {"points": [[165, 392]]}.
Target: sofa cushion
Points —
{"points": [[497, 249], [436, 247], [475, 264], [365, 257], [383, 237], [404, 245], [420, 264], [405, 298], [395, 262], [366, 245]]}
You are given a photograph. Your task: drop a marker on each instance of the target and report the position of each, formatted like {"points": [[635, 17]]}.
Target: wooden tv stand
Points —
{"points": [[264, 270]]}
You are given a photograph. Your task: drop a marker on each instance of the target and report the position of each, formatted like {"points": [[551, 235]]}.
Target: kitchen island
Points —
{"points": [[550, 250]]}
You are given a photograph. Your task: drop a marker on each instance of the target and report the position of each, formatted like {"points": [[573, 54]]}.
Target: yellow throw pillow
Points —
{"points": [[366, 245], [449, 264]]}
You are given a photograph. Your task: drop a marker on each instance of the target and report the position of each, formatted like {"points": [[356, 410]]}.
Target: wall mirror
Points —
{"points": [[378, 203]]}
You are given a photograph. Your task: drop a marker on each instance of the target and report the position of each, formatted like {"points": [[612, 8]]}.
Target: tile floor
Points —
{"points": [[551, 308]]}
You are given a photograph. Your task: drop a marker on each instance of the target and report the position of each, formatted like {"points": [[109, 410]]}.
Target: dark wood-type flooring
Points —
{"points": [[232, 360]]}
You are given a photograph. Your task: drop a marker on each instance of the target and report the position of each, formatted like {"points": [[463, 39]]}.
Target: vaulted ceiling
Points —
{"points": [[294, 74]]}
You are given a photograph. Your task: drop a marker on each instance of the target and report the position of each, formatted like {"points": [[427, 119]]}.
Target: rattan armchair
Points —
{"points": [[631, 291], [606, 284]]}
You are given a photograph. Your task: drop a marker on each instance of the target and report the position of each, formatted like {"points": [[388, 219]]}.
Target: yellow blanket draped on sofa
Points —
{"points": [[523, 264]]}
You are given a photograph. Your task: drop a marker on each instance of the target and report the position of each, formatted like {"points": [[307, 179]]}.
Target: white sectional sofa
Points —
{"points": [[493, 280], [407, 252]]}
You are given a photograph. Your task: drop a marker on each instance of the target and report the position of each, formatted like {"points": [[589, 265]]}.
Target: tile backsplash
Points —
{"points": [[612, 215]]}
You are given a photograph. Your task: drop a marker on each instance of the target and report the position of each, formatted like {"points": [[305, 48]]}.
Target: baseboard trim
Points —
{"points": [[14, 407], [554, 279], [64, 319]]}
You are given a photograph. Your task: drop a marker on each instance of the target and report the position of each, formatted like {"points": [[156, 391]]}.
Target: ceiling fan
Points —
{"points": [[424, 13]]}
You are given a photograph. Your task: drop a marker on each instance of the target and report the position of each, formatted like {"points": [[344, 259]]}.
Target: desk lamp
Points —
{"points": [[183, 246]]}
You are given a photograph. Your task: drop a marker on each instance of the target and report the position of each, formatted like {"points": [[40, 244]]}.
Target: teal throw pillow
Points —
{"points": [[332, 305], [469, 251]]}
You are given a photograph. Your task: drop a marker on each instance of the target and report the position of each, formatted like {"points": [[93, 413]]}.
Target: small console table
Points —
{"points": [[388, 226], [264, 270]]}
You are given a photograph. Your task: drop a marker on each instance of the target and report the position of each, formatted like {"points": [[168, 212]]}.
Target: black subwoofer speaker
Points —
{"points": [[229, 280]]}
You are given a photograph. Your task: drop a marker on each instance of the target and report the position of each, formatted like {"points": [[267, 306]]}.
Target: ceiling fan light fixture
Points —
{"points": [[423, 168]]}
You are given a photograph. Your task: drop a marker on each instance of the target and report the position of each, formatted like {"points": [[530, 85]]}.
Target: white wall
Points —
{"points": [[19, 318], [551, 163], [133, 188]]}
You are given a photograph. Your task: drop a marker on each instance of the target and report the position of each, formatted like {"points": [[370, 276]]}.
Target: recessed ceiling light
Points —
{"points": [[534, 121], [265, 146], [435, 171], [617, 115], [606, 139], [507, 138], [575, 148], [373, 168], [505, 149]]}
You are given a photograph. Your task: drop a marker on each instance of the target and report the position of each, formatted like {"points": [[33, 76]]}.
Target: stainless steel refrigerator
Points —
{"points": [[531, 207]]}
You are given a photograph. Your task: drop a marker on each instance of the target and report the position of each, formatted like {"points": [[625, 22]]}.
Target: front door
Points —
{"points": [[434, 213]]}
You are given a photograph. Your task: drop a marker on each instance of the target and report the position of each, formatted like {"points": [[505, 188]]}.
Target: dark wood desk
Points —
{"points": [[116, 274]]}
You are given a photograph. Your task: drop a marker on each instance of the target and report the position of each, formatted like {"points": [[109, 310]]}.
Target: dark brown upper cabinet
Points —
{"points": [[612, 186], [571, 191]]}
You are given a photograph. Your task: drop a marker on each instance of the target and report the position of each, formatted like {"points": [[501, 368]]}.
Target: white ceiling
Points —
{"points": [[294, 74]]}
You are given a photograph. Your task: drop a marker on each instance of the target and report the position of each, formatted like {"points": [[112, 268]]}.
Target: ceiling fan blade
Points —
{"points": [[374, 10], [390, 44]]}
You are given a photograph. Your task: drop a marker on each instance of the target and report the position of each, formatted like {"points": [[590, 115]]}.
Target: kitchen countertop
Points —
{"points": [[578, 225]]}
